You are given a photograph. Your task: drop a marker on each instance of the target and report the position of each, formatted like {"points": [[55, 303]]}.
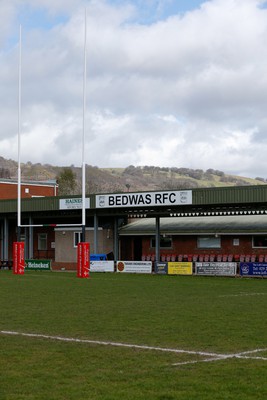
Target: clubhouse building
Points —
{"points": [[212, 224]]}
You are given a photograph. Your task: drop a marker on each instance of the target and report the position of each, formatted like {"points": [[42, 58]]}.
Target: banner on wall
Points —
{"points": [[180, 268], [253, 269], [75, 203], [216, 268], [137, 267]]}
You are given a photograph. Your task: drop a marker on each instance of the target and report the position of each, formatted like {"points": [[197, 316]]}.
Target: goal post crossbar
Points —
{"points": [[51, 225]]}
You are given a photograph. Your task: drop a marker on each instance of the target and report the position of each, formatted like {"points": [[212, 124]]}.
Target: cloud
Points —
{"points": [[186, 90]]}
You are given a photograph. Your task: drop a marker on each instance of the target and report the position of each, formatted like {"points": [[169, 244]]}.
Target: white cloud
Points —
{"points": [[7, 23], [186, 91]]}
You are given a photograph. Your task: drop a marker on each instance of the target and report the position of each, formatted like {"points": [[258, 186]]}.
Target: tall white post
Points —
{"points": [[83, 139], [19, 133]]}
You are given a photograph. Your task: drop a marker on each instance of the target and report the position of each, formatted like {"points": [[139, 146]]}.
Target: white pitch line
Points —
{"points": [[252, 358], [225, 357], [212, 356], [244, 294], [198, 361], [251, 352], [107, 343]]}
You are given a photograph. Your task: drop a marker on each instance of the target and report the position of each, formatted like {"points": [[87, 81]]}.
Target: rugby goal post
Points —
{"points": [[83, 255]]}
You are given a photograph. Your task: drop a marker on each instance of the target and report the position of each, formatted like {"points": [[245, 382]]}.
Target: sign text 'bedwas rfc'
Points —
{"points": [[145, 199]]}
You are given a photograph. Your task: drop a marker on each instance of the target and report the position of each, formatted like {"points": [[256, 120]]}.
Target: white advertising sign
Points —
{"points": [[138, 267], [67, 204], [144, 199], [216, 268], [101, 266]]}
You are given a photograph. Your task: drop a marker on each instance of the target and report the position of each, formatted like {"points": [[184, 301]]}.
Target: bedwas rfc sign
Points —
{"points": [[144, 199]]}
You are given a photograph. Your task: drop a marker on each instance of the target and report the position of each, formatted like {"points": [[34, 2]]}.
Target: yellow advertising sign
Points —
{"points": [[180, 268]]}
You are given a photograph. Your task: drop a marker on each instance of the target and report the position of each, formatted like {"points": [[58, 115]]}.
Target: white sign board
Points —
{"points": [[101, 266], [170, 198], [216, 268], [138, 267], [70, 204]]}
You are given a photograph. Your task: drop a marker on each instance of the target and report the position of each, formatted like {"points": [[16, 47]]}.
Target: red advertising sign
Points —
{"points": [[18, 258], [83, 257]]}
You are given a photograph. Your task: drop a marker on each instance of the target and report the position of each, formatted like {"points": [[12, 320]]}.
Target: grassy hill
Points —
{"points": [[131, 178]]}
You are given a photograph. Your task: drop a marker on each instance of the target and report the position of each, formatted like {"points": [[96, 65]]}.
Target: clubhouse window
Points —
{"points": [[208, 242], [42, 241], [259, 241], [77, 238], [165, 242]]}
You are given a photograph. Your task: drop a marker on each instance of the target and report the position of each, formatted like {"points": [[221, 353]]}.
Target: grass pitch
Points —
{"points": [[192, 337]]}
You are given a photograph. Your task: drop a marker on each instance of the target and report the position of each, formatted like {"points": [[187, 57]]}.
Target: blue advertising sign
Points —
{"points": [[98, 257], [161, 268], [253, 269]]}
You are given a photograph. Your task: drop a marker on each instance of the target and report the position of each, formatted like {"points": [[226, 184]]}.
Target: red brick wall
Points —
{"points": [[49, 253], [9, 190], [37, 254], [64, 266], [188, 245]]}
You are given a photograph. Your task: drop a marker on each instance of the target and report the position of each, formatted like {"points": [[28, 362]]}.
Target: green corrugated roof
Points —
{"points": [[198, 225], [230, 194], [237, 195]]}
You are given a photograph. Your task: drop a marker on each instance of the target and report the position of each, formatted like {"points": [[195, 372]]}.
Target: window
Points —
{"points": [[208, 242], [42, 241], [77, 238], [259, 241], [165, 242]]}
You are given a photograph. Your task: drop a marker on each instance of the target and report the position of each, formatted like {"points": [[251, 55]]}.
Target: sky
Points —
{"points": [[169, 83]]}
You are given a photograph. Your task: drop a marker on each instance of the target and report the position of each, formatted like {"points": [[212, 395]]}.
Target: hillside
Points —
{"points": [[145, 178]]}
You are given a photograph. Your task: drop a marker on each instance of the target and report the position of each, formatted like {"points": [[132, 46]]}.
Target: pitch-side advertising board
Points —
{"points": [[44, 265], [101, 266], [139, 267], [180, 268], [216, 268], [253, 269]]}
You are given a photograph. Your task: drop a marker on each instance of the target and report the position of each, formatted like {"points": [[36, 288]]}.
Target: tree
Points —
{"points": [[66, 182], [4, 173]]}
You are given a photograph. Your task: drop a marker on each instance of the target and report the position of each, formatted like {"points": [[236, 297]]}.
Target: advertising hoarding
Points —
{"points": [[216, 268], [101, 266], [138, 267], [253, 269], [180, 268], [38, 265], [161, 268]]}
